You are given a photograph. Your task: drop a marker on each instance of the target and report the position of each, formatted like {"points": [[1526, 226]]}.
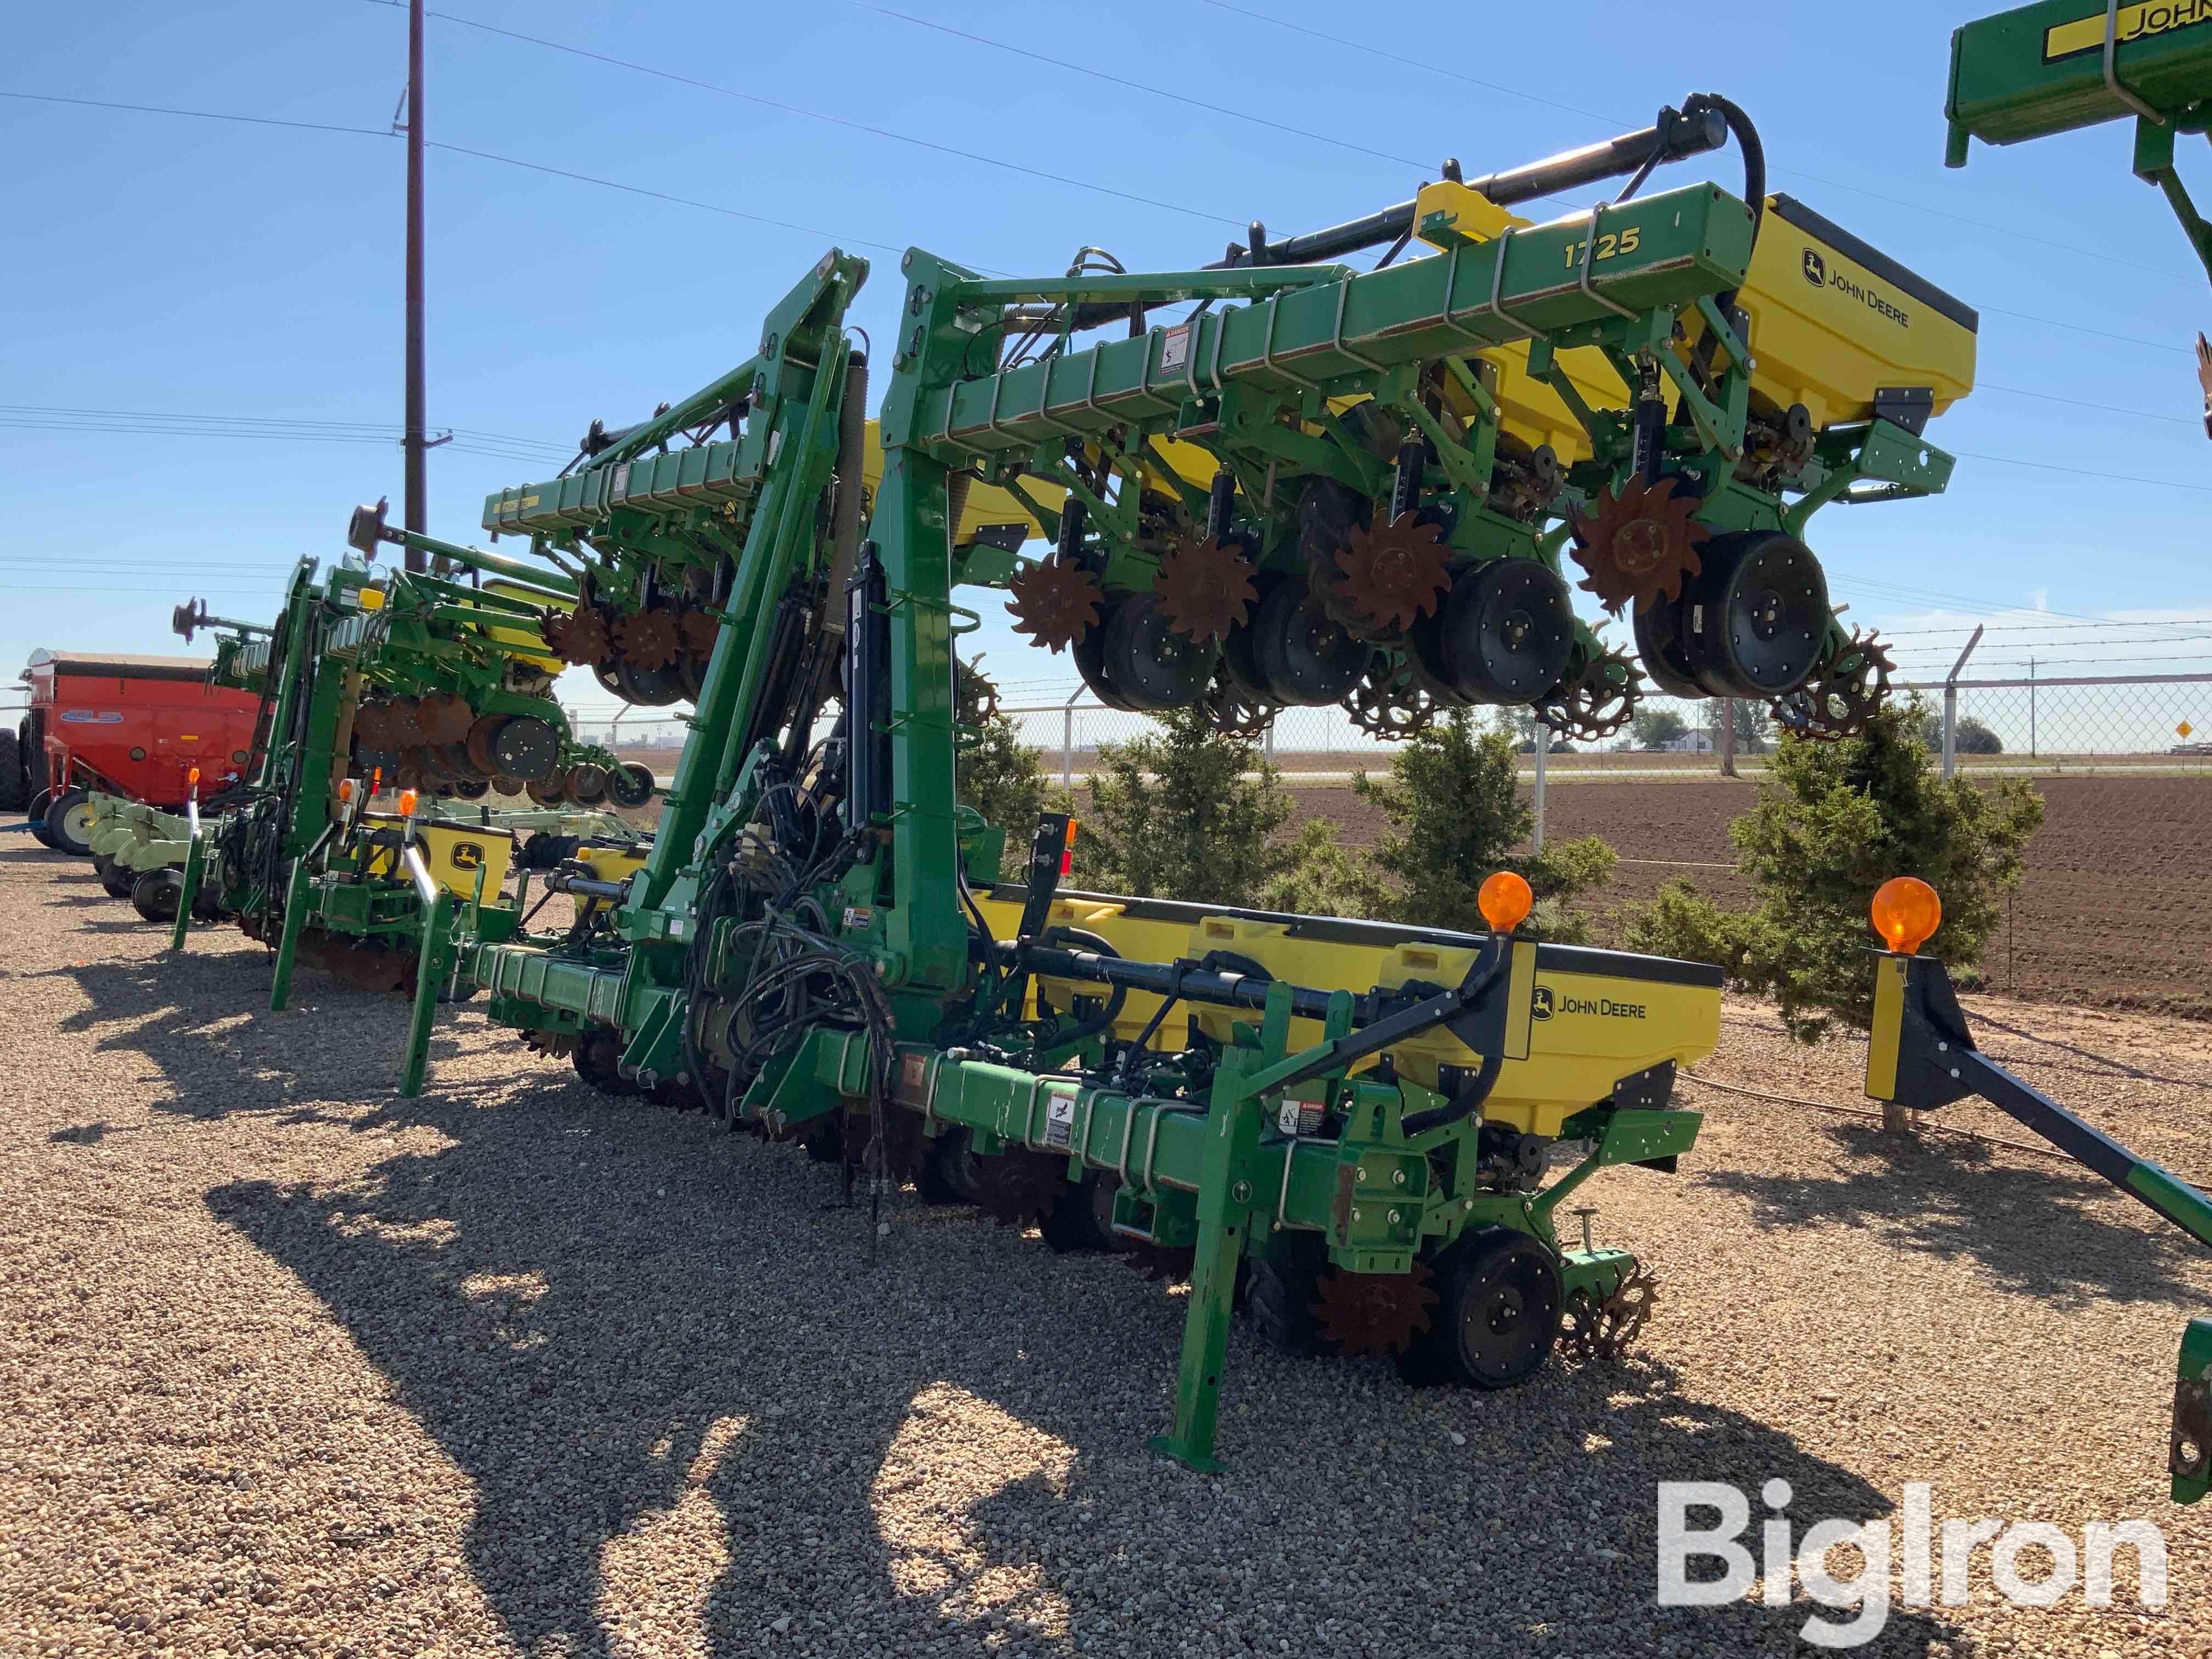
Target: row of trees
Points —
{"points": [[1183, 811]]}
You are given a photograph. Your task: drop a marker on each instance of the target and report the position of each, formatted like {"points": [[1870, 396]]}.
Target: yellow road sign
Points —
{"points": [[2183, 729]]}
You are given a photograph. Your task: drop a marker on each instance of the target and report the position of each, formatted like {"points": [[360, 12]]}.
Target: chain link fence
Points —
{"points": [[2044, 725], [2083, 725], [2138, 722]]}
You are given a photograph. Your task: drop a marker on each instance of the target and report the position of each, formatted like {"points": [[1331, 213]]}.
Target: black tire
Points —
{"points": [[1279, 1295], [685, 1096], [119, 882], [1072, 1224], [944, 1179], [1500, 1317], [823, 1138], [598, 1051], [631, 783], [67, 819], [37, 813], [15, 781], [154, 896], [32, 735]]}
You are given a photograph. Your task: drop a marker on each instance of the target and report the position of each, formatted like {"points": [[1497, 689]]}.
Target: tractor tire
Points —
{"points": [[37, 814], [154, 896], [1279, 1295], [32, 735], [69, 821], [15, 781]]}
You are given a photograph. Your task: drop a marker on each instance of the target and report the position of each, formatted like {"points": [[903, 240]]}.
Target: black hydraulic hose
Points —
{"points": [[585, 887], [1103, 1020], [1461, 1105], [1754, 167]]}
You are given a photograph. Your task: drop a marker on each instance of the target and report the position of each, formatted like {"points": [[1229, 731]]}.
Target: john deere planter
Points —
{"points": [[366, 679], [1362, 1124]]}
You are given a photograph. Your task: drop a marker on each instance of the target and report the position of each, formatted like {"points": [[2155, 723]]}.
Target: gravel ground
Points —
{"points": [[294, 1366]]}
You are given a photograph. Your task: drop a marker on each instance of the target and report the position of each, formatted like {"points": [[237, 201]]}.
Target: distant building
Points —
{"points": [[1692, 742]]}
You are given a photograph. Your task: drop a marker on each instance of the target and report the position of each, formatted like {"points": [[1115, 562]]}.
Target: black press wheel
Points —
{"points": [[154, 896], [599, 1054], [631, 783], [119, 882], [1508, 629], [1072, 1221], [68, 823], [1309, 659], [1760, 603], [1280, 1291], [1500, 1316], [948, 1169], [1149, 662]]}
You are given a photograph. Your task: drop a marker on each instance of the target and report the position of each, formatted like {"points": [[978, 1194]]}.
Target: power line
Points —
{"points": [[509, 160], [372, 428], [196, 114], [1206, 105], [2102, 334], [2109, 409], [1410, 62], [656, 195], [529, 454], [1977, 606], [821, 115], [2084, 472]]}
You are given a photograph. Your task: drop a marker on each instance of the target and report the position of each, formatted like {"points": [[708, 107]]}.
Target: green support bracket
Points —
{"points": [[287, 943], [189, 889], [429, 974], [2153, 165], [1224, 1195]]}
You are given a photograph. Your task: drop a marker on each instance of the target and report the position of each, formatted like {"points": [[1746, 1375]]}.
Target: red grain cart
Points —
{"points": [[125, 725]]}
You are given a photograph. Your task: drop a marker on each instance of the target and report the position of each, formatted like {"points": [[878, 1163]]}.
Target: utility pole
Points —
{"points": [[416, 443]]}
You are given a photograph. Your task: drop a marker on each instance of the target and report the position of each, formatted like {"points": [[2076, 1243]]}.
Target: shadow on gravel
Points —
{"points": [[202, 1020], [662, 1356], [2029, 1227]]}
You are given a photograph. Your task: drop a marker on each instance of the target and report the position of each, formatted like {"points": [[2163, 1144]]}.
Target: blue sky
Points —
{"points": [[164, 267]]}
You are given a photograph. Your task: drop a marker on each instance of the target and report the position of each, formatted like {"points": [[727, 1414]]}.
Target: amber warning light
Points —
{"points": [[1907, 911], [407, 803], [1504, 899], [1067, 849]]}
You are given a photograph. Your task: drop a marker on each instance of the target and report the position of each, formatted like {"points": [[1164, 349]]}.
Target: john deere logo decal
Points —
{"points": [[2128, 23], [1539, 1002], [1816, 269], [467, 855]]}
